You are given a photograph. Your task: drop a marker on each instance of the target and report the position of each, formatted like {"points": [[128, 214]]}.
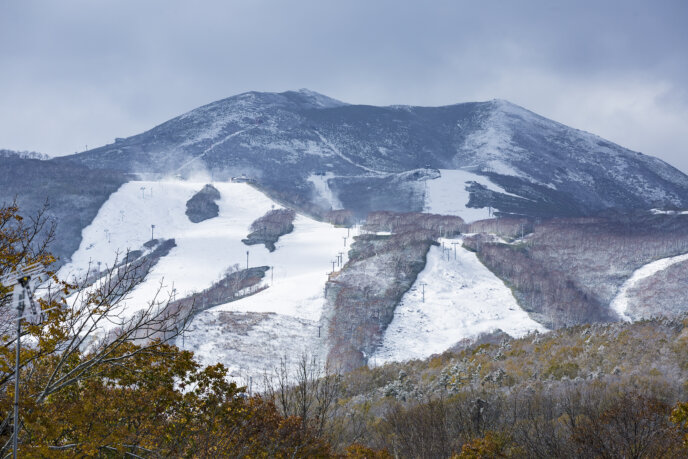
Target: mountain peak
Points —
{"points": [[316, 99], [258, 101]]}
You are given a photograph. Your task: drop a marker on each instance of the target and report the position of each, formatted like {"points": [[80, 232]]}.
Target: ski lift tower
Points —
{"points": [[23, 281]]}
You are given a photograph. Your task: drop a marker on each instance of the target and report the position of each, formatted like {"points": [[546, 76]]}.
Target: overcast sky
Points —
{"points": [[77, 73]]}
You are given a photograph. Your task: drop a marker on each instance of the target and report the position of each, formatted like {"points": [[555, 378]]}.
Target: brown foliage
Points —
{"points": [[632, 425], [341, 217], [358, 451], [491, 446], [438, 225], [363, 301]]}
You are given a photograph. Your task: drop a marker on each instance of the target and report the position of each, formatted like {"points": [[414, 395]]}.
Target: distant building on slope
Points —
{"points": [[243, 179]]}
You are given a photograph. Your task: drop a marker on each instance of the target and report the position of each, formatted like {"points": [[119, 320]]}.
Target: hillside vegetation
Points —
{"points": [[383, 264], [72, 195], [586, 391], [567, 271], [270, 227]]}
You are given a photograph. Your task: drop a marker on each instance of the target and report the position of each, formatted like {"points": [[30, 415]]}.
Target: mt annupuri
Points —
{"points": [[365, 234]]}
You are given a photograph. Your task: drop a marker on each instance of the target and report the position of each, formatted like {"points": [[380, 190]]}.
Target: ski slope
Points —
{"points": [[302, 261], [620, 302], [299, 265], [447, 195], [462, 300]]}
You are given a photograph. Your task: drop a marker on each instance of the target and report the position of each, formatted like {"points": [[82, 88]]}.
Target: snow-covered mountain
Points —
{"points": [[287, 316], [314, 153], [318, 153], [593, 231]]}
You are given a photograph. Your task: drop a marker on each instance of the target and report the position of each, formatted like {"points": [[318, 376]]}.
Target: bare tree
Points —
{"points": [[305, 389], [97, 321]]}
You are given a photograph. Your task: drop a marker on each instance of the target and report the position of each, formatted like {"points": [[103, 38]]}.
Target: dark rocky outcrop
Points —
{"points": [[270, 227], [202, 205]]}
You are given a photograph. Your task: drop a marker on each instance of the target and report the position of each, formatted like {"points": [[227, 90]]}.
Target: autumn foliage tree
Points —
{"points": [[492, 445], [679, 416], [95, 381], [162, 404]]}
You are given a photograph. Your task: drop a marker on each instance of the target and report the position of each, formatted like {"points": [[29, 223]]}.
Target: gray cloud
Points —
{"points": [[83, 72]]}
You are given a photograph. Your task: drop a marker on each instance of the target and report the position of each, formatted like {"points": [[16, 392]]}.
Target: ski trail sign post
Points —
{"points": [[24, 281]]}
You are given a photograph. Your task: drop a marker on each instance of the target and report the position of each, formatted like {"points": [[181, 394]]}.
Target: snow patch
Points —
{"points": [[251, 345], [301, 264], [669, 212], [211, 135], [321, 100], [501, 168], [492, 143], [447, 194], [337, 152], [462, 300]]}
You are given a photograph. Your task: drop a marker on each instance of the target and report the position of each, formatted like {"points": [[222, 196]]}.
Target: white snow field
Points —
{"points": [[620, 301], [250, 345], [447, 194], [205, 250], [462, 300]]}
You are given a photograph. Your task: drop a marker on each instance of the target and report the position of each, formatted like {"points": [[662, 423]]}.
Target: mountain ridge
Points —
{"points": [[282, 139]]}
